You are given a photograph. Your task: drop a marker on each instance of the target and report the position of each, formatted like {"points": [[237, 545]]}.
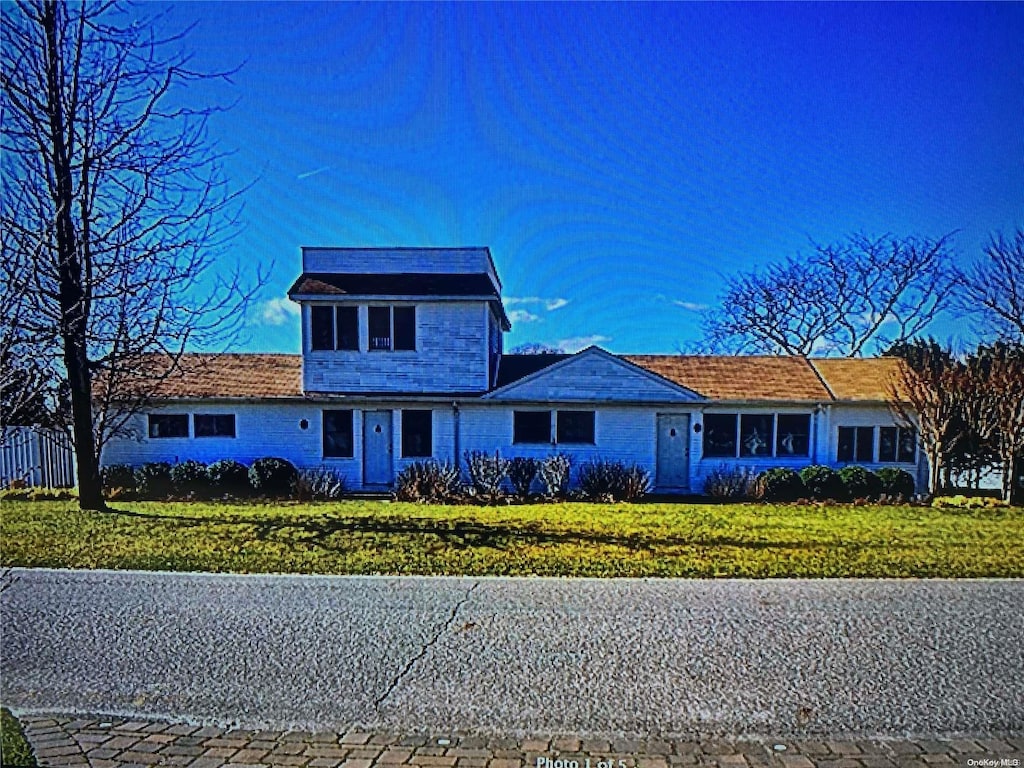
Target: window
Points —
{"points": [[720, 434], [856, 444], [335, 328], [214, 425], [405, 328], [897, 444], [793, 436], [392, 328], [574, 427], [757, 434], [417, 433], [168, 425], [338, 434], [347, 327], [322, 336], [531, 427], [380, 327]]}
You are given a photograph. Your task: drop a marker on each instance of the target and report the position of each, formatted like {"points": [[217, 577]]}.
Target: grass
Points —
{"points": [[570, 539], [14, 749]]}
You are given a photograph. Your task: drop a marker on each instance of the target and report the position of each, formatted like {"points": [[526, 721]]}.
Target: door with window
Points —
{"points": [[673, 469], [377, 465]]}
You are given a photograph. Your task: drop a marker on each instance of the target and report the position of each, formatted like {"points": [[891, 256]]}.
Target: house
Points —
{"points": [[402, 360]]}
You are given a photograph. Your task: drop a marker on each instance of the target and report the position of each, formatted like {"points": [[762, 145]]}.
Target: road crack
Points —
{"points": [[426, 646]]}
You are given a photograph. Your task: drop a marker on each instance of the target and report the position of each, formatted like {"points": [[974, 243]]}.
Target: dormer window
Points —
{"points": [[392, 328], [335, 328]]}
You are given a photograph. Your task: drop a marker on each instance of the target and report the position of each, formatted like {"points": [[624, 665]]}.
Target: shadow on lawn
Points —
{"points": [[462, 534]]}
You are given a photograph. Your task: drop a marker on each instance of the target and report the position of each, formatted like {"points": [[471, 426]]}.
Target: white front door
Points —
{"points": [[377, 466], [673, 470]]}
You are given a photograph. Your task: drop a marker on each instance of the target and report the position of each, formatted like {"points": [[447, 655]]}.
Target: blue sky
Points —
{"points": [[618, 159]]}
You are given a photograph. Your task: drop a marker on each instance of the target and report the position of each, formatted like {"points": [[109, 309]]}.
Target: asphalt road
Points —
{"points": [[668, 657]]}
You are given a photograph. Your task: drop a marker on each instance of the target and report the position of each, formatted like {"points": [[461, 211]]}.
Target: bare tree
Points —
{"points": [[993, 289], [845, 299], [926, 395], [116, 202], [999, 415]]}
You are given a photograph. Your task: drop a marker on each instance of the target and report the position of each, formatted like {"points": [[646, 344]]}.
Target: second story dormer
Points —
{"points": [[399, 320]]}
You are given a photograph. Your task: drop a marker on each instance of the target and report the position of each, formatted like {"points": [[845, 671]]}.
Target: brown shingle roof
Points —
{"points": [[739, 378], [866, 379], [223, 375]]}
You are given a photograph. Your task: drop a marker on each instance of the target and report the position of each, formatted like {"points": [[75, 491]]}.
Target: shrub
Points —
{"points": [[320, 484], [727, 482], [860, 483], [228, 476], [190, 480], [521, 473], [779, 485], [273, 477], [823, 483], [486, 473], [153, 480], [554, 473], [896, 483], [118, 480], [427, 481], [26, 493], [613, 480]]}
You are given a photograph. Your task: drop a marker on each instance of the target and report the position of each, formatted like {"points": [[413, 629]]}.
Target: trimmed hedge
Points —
{"points": [[779, 485], [189, 479], [860, 483], [153, 480], [896, 483], [273, 477], [228, 476], [823, 483]]}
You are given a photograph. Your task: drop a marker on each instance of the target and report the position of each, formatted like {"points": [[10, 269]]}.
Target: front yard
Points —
{"points": [[570, 539]]}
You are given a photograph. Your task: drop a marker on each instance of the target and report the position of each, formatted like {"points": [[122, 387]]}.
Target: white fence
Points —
{"points": [[36, 457]]}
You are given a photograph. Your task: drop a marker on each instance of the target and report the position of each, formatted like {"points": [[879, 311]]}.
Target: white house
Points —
{"points": [[402, 361]]}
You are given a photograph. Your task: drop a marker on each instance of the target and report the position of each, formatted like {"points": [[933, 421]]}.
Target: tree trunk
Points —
{"points": [[74, 304]]}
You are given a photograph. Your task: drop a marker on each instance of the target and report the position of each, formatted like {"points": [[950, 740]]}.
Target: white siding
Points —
{"points": [[621, 433], [273, 429], [450, 355], [594, 376], [850, 415]]}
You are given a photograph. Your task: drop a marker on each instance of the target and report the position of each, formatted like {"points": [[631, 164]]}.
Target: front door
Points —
{"points": [[673, 470], [377, 468]]}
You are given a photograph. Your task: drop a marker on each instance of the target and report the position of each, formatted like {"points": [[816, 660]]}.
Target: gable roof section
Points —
{"points": [[515, 367], [860, 379], [740, 378], [592, 375], [215, 376]]}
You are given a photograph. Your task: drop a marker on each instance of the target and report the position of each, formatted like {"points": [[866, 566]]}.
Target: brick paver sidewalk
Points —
{"points": [[117, 743]]}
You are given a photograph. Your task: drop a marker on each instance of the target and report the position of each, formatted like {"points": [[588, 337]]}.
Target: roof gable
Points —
{"points": [[861, 379], [593, 375], [740, 378]]}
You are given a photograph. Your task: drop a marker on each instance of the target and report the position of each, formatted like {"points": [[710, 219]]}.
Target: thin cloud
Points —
{"points": [[278, 311], [307, 174], [690, 306], [522, 316], [575, 343], [549, 304]]}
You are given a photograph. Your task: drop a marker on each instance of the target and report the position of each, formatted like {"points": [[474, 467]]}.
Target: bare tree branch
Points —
{"points": [[846, 299], [116, 210]]}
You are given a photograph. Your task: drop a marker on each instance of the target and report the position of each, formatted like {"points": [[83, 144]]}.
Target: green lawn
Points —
{"points": [[570, 539]]}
